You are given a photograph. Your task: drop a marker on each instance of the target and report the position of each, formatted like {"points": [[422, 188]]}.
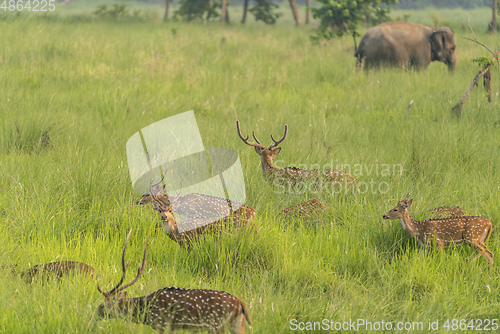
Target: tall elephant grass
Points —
{"points": [[85, 87]]}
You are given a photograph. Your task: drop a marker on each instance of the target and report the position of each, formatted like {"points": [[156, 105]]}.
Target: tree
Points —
{"points": [[245, 9], [192, 10], [295, 12], [223, 15], [338, 17], [485, 72], [263, 10], [494, 17], [308, 11], [167, 3]]}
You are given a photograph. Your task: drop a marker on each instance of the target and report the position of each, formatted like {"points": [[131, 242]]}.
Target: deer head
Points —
{"points": [[266, 154], [399, 210], [116, 302], [162, 204]]}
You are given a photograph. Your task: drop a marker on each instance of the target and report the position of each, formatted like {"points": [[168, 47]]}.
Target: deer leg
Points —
{"points": [[486, 252], [479, 255], [437, 244], [489, 256], [238, 325]]}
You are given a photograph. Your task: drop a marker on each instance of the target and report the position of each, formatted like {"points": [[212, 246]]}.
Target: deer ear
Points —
{"points": [[156, 207], [276, 151], [258, 149], [408, 204]]}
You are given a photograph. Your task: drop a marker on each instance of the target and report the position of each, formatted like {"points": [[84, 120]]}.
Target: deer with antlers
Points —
{"points": [[201, 214], [292, 176], [445, 232], [170, 309], [184, 232]]}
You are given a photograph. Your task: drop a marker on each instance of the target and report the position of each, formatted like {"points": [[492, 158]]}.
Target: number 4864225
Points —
{"points": [[28, 5], [472, 324]]}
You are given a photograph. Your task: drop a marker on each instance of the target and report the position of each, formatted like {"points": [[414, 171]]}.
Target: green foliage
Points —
{"points": [[338, 17], [263, 10], [198, 10], [482, 61], [118, 11]]}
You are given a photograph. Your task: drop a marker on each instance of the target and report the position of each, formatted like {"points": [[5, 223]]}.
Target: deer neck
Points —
{"points": [[409, 225], [170, 225], [268, 168], [137, 308]]}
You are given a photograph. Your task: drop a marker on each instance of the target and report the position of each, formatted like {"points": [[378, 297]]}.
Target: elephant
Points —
{"points": [[406, 45]]}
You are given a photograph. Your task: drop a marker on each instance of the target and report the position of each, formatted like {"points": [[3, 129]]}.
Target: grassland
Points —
{"points": [[73, 92]]}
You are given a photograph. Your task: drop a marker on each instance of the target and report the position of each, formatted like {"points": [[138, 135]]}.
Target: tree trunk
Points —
{"points": [[295, 12], [165, 18], [478, 76], [308, 11], [245, 7], [494, 17], [223, 13]]}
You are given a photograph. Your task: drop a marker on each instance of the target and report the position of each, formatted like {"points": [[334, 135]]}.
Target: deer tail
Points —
{"points": [[489, 232], [244, 310]]}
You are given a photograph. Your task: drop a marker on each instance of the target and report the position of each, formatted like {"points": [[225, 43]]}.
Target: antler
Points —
{"points": [[276, 143], [139, 270], [405, 197], [155, 186], [165, 199], [177, 195], [245, 140], [117, 288]]}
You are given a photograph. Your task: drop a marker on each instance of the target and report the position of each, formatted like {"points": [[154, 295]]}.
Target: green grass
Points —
{"points": [[73, 92]]}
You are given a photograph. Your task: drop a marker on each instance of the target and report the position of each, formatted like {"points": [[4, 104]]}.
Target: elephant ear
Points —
{"points": [[438, 43]]}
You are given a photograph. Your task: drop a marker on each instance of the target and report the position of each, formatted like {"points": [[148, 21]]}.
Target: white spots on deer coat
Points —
{"points": [[173, 308], [445, 231]]}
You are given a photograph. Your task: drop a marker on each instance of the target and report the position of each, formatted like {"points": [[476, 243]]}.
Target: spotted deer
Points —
{"points": [[448, 212], [304, 210], [446, 231], [171, 309], [292, 176], [185, 232], [199, 214], [58, 269]]}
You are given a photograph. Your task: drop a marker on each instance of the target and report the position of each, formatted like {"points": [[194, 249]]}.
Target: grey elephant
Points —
{"points": [[406, 44]]}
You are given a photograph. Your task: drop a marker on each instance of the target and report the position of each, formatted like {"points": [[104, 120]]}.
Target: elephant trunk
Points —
{"points": [[452, 62]]}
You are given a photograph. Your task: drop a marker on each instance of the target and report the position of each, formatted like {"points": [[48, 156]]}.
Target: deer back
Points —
{"points": [[194, 309], [448, 212], [58, 269]]}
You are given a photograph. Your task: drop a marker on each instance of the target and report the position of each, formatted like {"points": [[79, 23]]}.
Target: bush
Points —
{"points": [[264, 11], [116, 12], [337, 17]]}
